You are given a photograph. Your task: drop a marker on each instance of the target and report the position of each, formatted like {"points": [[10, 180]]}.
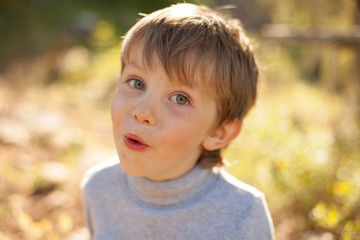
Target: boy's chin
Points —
{"points": [[130, 170], [133, 170]]}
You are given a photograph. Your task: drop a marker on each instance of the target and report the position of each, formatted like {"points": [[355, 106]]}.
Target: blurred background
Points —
{"points": [[300, 145]]}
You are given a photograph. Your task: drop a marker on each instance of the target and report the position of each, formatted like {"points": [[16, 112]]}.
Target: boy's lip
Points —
{"points": [[134, 142]]}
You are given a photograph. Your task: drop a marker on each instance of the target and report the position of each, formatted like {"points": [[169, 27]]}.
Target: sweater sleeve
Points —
{"points": [[86, 204], [87, 215], [259, 225]]}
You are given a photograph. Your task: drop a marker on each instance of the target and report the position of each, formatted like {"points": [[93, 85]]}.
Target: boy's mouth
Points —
{"points": [[134, 143]]}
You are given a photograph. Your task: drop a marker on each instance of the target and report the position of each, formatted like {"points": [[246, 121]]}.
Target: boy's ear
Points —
{"points": [[222, 135]]}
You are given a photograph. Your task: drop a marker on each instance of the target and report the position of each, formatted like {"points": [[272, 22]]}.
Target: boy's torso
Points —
{"points": [[216, 210]]}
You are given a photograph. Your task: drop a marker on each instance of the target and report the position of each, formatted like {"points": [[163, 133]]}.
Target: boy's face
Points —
{"points": [[159, 126]]}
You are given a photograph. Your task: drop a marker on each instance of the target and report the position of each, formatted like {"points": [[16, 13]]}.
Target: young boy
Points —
{"points": [[188, 79]]}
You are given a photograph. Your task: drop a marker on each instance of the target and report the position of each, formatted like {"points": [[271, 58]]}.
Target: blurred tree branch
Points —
{"points": [[348, 36]]}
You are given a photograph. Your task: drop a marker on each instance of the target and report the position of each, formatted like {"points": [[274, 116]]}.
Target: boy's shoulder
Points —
{"points": [[236, 186], [102, 173], [238, 198], [245, 204]]}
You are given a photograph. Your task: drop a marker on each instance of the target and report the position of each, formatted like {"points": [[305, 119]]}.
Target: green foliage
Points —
{"points": [[32, 27], [307, 12]]}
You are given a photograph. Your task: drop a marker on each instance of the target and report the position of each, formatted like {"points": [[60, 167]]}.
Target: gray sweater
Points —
{"points": [[202, 204]]}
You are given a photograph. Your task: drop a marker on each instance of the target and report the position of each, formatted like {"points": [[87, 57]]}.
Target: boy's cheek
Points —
{"points": [[116, 108], [115, 122], [113, 114]]}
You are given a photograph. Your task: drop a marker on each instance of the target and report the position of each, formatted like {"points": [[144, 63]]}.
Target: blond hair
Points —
{"points": [[195, 41]]}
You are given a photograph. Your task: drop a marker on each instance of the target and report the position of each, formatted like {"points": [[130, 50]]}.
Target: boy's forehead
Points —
{"points": [[189, 78]]}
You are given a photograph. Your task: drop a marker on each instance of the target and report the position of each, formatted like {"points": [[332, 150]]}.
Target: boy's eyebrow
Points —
{"points": [[134, 64]]}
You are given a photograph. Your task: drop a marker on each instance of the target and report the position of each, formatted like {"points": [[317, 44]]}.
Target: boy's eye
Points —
{"points": [[135, 83], [180, 99]]}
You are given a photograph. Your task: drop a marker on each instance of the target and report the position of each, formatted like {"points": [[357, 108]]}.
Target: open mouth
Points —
{"points": [[134, 143]]}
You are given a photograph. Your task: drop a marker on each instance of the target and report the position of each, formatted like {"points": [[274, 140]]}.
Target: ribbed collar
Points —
{"points": [[172, 192]]}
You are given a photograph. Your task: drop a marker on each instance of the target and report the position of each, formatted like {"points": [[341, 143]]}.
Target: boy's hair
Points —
{"points": [[195, 42]]}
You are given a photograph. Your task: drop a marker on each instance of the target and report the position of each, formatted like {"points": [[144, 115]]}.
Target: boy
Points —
{"points": [[188, 79]]}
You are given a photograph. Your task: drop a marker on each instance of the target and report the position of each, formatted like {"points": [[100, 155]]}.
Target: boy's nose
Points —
{"points": [[144, 113]]}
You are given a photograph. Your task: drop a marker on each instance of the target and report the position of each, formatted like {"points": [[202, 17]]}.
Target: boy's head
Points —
{"points": [[194, 42]]}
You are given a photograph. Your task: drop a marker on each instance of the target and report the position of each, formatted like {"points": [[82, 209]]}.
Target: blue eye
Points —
{"points": [[180, 99], [136, 83]]}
